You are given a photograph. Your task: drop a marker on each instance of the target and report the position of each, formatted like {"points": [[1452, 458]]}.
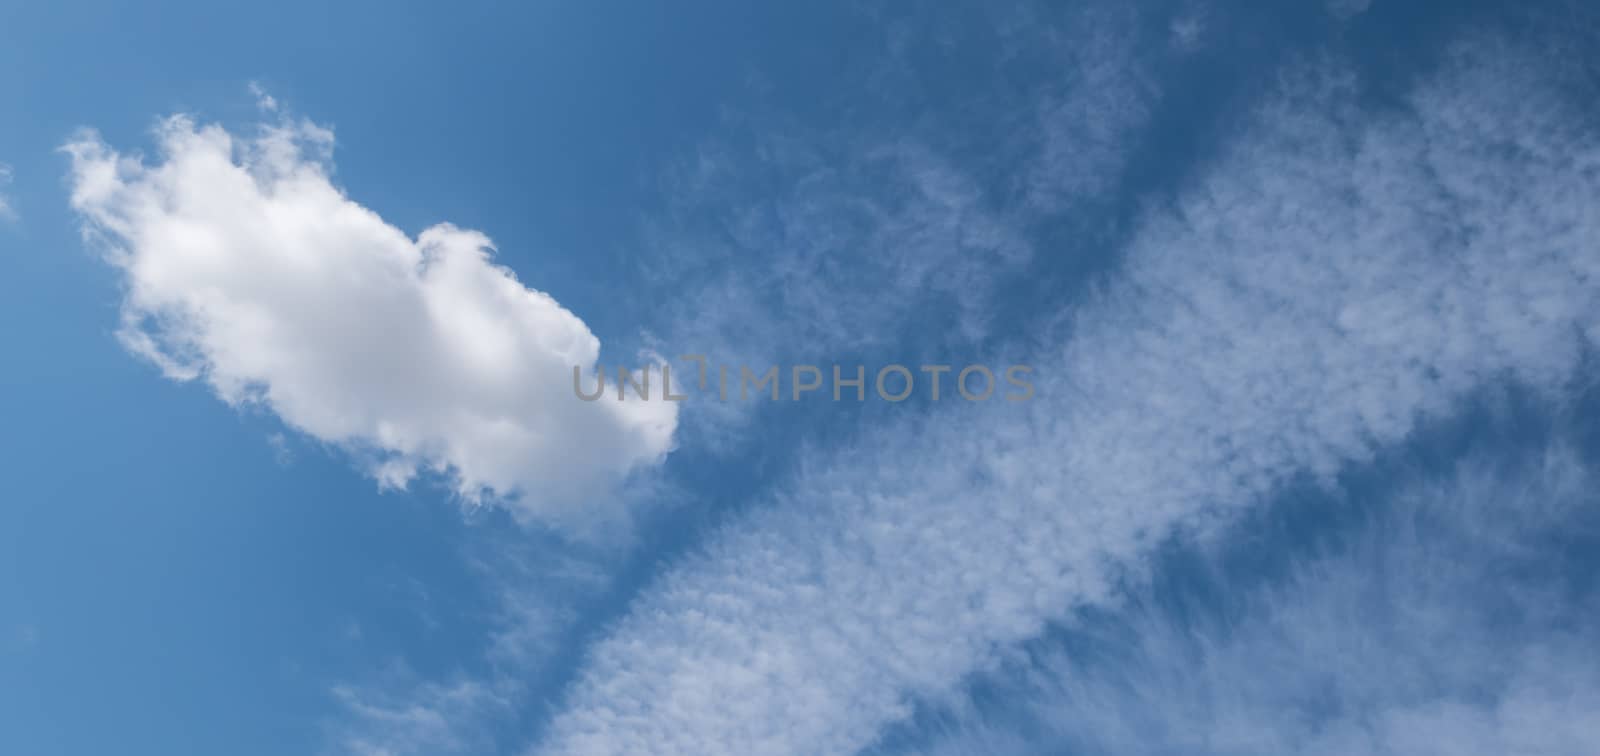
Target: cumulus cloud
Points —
{"points": [[245, 267], [1337, 276], [1448, 621]]}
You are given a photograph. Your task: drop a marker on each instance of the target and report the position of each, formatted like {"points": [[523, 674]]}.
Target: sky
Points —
{"points": [[1228, 378]]}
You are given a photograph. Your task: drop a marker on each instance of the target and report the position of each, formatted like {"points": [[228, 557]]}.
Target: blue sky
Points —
{"points": [[292, 295]]}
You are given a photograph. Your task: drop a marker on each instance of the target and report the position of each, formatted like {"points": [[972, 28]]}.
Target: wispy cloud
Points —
{"points": [[6, 211], [1447, 622], [245, 267], [786, 242], [1337, 275], [421, 718], [538, 585], [1345, 10], [869, 240], [791, 242]]}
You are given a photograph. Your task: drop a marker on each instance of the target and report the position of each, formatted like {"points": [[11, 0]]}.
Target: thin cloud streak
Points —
{"points": [[7, 212]]}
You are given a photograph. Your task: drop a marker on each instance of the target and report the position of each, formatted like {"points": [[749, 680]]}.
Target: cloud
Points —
{"points": [[540, 586], [885, 229], [1345, 10], [831, 265], [1446, 622], [6, 211], [799, 243], [427, 719], [1336, 276], [1095, 112], [245, 267], [1187, 32], [265, 102]]}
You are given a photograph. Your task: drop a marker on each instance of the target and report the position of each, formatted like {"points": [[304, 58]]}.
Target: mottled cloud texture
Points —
{"points": [[1335, 276], [1432, 626]]}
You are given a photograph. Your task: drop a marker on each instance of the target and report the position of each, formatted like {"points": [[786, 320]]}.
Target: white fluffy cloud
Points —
{"points": [[1338, 276], [245, 267]]}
